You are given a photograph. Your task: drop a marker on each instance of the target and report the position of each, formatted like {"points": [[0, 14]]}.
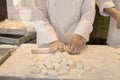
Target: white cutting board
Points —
{"points": [[104, 59]]}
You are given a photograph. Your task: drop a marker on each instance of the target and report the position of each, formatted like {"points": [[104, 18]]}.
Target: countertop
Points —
{"points": [[104, 59]]}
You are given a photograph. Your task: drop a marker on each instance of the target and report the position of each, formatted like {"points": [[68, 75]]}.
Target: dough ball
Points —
{"points": [[57, 67], [63, 72], [80, 65], [32, 64], [44, 72], [52, 73], [71, 62], [87, 67], [73, 72], [36, 59], [35, 71], [49, 66], [80, 72]]}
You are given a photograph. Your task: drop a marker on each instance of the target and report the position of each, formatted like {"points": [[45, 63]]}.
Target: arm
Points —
{"points": [[84, 28], [107, 7], [102, 4], [45, 31], [114, 13]]}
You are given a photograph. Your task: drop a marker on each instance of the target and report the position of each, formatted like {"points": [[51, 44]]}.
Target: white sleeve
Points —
{"points": [[85, 25], [45, 32], [102, 4]]}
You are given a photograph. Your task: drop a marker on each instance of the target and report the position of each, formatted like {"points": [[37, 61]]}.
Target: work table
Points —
{"points": [[104, 59]]}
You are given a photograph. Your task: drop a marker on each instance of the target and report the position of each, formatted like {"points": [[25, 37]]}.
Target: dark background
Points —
{"points": [[3, 10]]}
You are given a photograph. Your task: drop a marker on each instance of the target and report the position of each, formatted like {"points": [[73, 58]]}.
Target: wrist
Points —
{"points": [[54, 42], [83, 41]]}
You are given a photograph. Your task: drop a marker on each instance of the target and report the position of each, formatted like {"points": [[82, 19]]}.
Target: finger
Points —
{"points": [[61, 47], [76, 49], [79, 50], [53, 49], [72, 48]]}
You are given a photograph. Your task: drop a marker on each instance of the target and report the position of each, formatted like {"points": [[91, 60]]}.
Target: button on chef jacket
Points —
{"points": [[113, 33], [61, 19]]}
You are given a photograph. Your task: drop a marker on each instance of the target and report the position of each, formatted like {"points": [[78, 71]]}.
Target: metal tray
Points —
{"points": [[14, 31], [16, 39], [4, 54]]}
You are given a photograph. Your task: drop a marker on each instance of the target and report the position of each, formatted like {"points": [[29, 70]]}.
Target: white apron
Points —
{"points": [[61, 19]]}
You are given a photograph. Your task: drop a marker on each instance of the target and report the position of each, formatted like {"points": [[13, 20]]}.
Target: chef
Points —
{"points": [[111, 8], [60, 22]]}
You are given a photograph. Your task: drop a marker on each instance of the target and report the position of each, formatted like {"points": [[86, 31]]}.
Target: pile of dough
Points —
{"points": [[9, 24], [57, 64]]}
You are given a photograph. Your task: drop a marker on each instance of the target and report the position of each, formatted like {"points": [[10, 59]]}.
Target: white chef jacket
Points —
{"points": [[113, 37], [60, 19]]}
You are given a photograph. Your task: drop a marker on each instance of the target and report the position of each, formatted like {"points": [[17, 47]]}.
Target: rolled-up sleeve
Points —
{"points": [[45, 31], [85, 25], [102, 4]]}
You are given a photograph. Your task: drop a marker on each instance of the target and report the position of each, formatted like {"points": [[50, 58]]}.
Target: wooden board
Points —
{"points": [[104, 59], [5, 52]]}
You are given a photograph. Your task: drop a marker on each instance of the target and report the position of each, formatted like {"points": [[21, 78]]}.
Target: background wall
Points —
{"points": [[25, 13]]}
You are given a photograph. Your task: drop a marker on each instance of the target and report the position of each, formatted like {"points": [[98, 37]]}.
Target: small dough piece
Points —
{"points": [[73, 72], [70, 62], [87, 67], [49, 66], [80, 72], [44, 71], [32, 65], [36, 59], [52, 73], [77, 72], [35, 71], [57, 67], [63, 72], [80, 65]]}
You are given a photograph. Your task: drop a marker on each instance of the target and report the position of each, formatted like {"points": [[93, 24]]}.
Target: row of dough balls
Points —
{"points": [[57, 64]]}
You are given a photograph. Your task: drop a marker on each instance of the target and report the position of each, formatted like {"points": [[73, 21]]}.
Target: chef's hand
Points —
{"points": [[118, 20], [76, 44], [56, 46], [112, 11]]}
